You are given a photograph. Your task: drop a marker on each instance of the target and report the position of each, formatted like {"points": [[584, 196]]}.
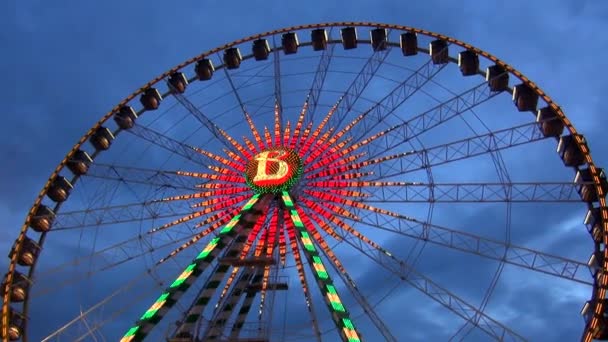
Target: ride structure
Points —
{"points": [[252, 210]]}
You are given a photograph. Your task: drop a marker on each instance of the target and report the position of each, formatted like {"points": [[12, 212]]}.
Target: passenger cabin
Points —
{"points": [[409, 43], [151, 99], [60, 189], [28, 253], [204, 69], [79, 162], [178, 82], [550, 124], [569, 151], [586, 188], [260, 49], [290, 43], [600, 332], [19, 288], [525, 98], [379, 39], [468, 62], [102, 139], [438, 49], [349, 38], [232, 58], [593, 223], [43, 218], [595, 262], [319, 39], [16, 325], [497, 77], [125, 118]]}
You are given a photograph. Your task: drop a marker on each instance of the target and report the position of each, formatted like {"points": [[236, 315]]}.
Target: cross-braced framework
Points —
{"points": [[288, 195]]}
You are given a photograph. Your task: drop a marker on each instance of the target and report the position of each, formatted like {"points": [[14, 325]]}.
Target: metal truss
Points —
{"points": [[475, 192], [360, 298], [408, 274], [217, 323], [406, 130], [470, 243], [318, 81], [466, 148], [120, 214], [191, 318], [276, 61], [158, 178], [172, 145], [356, 88], [202, 118]]}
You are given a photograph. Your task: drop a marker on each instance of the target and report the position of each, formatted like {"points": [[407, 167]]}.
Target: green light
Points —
{"points": [[348, 323], [296, 218], [251, 202], [287, 199], [208, 249], [182, 277], [331, 289], [227, 228], [318, 265], [131, 332], [155, 307], [307, 242]]}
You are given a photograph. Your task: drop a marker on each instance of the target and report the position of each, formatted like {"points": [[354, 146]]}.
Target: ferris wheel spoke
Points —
{"points": [[403, 163], [106, 259], [524, 192], [358, 85], [388, 139], [424, 284], [425, 121], [208, 123], [121, 295], [319, 80], [373, 116], [293, 242], [457, 305], [339, 314], [346, 278], [276, 61], [144, 211], [152, 177], [177, 147], [470, 243]]}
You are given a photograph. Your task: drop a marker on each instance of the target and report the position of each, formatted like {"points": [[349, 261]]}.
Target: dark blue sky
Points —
{"points": [[69, 62]]}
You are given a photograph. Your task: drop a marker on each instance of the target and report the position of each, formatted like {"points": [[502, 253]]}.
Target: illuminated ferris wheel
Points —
{"points": [[353, 181]]}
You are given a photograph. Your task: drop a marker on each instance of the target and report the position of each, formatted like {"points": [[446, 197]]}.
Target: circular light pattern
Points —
{"points": [[273, 170]]}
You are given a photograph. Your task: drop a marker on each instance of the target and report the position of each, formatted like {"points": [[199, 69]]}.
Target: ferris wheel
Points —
{"points": [[341, 181]]}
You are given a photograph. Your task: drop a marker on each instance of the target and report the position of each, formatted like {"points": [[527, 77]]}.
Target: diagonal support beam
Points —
{"points": [[318, 81], [522, 192], [172, 145], [410, 161], [339, 314], [408, 274], [201, 117], [240, 224], [152, 177], [470, 243], [360, 298]]}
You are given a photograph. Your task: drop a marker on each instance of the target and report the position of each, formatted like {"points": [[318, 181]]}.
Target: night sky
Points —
{"points": [[70, 62]]}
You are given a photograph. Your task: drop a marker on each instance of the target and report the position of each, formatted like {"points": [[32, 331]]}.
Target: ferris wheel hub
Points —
{"points": [[273, 170]]}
